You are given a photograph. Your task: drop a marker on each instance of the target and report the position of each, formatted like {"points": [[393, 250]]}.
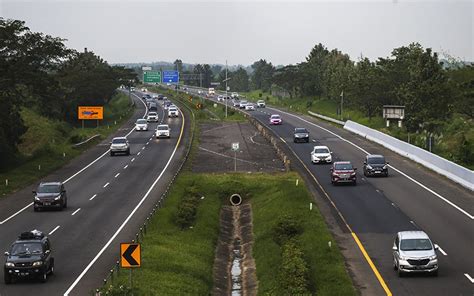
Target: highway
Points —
{"points": [[107, 202], [411, 198]]}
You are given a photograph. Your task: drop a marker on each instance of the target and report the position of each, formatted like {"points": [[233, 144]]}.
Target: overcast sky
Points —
{"points": [[243, 32]]}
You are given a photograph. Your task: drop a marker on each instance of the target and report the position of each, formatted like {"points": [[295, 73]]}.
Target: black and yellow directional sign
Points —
{"points": [[130, 255]]}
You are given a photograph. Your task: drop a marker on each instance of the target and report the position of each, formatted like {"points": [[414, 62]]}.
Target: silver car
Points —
{"points": [[414, 252], [119, 145]]}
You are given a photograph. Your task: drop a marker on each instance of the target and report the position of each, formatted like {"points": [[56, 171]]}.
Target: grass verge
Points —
{"points": [[177, 262], [48, 144]]}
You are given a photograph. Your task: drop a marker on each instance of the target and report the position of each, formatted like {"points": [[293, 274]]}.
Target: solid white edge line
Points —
{"points": [[26, 207], [75, 212], [81, 170], [121, 226], [442, 251], [93, 196], [391, 166], [469, 278], [118, 174], [52, 231], [106, 184]]}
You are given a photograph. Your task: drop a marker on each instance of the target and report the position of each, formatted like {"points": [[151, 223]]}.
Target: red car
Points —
{"points": [[343, 172], [275, 119]]}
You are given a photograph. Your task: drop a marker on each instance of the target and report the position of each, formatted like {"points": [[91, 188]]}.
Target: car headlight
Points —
{"points": [[433, 257], [9, 264], [37, 198], [384, 167], [369, 167], [37, 263]]}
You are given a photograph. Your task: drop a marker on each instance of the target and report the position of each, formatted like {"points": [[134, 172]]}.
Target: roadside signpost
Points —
{"points": [[235, 148], [130, 257], [171, 77], [90, 113], [146, 68], [151, 77]]}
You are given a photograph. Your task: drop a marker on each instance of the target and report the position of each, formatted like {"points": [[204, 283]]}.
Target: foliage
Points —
{"points": [[262, 75], [293, 271], [287, 228], [187, 209]]}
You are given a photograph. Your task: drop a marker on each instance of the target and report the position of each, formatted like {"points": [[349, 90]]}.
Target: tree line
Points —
{"points": [[38, 71]]}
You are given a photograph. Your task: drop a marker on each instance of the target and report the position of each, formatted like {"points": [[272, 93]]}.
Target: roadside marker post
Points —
{"points": [[235, 148]]}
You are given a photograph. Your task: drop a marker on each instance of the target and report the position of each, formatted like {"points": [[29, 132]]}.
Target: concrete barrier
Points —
{"points": [[449, 169], [326, 118]]}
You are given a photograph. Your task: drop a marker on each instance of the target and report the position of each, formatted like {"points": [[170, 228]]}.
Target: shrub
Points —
{"points": [[293, 271], [287, 228], [187, 208]]}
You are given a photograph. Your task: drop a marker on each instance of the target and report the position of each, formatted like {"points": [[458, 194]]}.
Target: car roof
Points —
{"points": [[342, 162], [300, 128], [274, 115], [51, 183], [321, 147], [375, 156], [412, 234], [163, 125], [119, 138]]}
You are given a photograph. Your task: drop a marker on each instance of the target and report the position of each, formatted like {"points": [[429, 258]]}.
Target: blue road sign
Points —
{"points": [[170, 77]]}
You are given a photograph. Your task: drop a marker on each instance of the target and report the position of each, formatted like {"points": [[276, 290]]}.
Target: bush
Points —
{"points": [[287, 228], [187, 208], [293, 271]]}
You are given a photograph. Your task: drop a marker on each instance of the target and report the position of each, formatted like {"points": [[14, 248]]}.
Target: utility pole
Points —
{"points": [[342, 102], [225, 89]]}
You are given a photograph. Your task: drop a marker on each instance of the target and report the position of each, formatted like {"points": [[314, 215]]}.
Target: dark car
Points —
{"points": [[29, 257], [343, 172], [160, 97], [375, 165], [50, 194], [301, 135]]}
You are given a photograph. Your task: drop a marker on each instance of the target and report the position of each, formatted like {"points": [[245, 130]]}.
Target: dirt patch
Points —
{"points": [[215, 149]]}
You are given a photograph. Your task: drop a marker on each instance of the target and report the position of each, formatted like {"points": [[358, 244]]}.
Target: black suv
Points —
{"points": [[29, 257], [301, 135], [375, 165], [50, 194]]}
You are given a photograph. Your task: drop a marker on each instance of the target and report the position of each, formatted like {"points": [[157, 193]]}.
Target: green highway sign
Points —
{"points": [[152, 76]]}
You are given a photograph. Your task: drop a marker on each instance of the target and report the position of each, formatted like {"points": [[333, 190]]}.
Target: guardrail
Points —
{"points": [[327, 118], [83, 142], [449, 169]]}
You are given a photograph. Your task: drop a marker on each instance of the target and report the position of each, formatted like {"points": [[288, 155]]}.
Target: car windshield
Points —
{"points": [[415, 244], [119, 141], [29, 248], [301, 130], [162, 128], [172, 109], [152, 114], [141, 121], [53, 188], [376, 160], [321, 150], [343, 166]]}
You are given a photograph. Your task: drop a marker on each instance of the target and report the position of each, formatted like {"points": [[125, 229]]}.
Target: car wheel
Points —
{"points": [[35, 209], [354, 183], [400, 272], [435, 273], [111, 153], [7, 278], [128, 152], [44, 277], [386, 174], [51, 268], [365, 173], [65, 203]]}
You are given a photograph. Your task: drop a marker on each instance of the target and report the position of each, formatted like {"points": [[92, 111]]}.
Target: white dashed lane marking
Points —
{"points": [[75, 212], [118, 174], [107, 184], [125, 167], [52, 231], [93, 196]]}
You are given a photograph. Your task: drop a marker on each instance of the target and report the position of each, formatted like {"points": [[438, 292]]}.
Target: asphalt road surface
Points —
{"points": [[107, 202], [411, 198]]}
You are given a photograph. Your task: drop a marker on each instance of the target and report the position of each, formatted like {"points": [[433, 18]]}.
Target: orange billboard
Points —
{"points": [[90, 112]]}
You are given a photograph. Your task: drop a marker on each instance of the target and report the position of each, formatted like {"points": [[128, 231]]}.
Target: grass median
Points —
{"points": [[177, 261], [48, 144]]}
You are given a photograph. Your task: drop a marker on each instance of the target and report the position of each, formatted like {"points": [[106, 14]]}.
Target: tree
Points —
{"points": [[239, 81], [178, 64], [262, 75]]}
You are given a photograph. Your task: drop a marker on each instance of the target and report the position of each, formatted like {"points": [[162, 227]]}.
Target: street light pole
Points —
{"points": [[225, 89], [342, 102]]}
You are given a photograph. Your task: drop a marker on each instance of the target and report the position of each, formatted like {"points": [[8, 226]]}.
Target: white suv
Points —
{"points": [[152, 116], [413, 252], [260, 104], [321, 154], [163, 131], [173, 111]]}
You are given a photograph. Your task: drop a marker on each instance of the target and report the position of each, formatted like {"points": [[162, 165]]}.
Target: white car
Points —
{"points": [[249, 107], [242, 104], [220, 98], [321, 154], [173, 111], [152, 116], [260, 104], [163, 131], [234, 95], [141, 125]]}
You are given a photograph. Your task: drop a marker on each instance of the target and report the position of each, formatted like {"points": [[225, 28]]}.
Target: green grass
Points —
{"points": [[178, 261], [48, 144]]}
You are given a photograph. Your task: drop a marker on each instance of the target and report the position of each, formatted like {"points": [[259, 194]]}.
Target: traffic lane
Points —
{"points": [[83, 233], [459, 243]]}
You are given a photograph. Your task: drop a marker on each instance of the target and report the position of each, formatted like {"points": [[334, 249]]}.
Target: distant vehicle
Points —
{"points": [[260, 104], [211, 91], [301, 135], [160, 97], [321, 154], [141, 125], [50, 195], [227, 98], [414, 252], [199, 91], [119, 145], [275, 119], [249, 107], [234, 95], [243, 103], [144, 90], [166, 104], [343, 172], [236, 103], [132, 88], [163, 131], [220, 98], [30, 256], [375, 165], [173, 111], [152, 116], [153, 107]]}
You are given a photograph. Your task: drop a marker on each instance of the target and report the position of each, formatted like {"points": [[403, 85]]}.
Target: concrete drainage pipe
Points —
{"points": [[235, 199]]}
